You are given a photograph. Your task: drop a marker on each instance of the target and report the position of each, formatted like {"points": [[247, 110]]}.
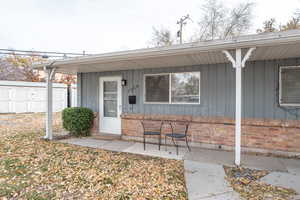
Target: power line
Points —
{"points": [[28, 54], [45, 54], [33, 51]]}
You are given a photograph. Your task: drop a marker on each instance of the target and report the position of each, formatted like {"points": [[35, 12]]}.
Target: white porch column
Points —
{"points": [[50, 72], [238, 105], [238, 63]]}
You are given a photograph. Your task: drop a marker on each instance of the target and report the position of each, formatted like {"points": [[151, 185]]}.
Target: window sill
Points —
{"points": [[289, 105], [158, 103]]}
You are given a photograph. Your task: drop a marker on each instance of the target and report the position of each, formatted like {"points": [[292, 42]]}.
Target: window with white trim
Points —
{"points": [[157, 88], [289, 93], [172, 88]]}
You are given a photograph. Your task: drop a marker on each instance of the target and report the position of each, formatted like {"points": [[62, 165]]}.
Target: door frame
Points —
{"points": [[119, 107]]}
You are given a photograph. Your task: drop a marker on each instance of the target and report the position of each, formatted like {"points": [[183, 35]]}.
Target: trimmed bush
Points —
{"points": [[78, 120]]}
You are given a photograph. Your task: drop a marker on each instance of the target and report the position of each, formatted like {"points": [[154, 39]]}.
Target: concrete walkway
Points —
{"points": [[206, 181], [288, 179], [204, 173]]}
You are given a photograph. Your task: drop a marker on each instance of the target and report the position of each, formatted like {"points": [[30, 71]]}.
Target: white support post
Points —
{"points": [[50, 72], [238, 63], [238, 105]]}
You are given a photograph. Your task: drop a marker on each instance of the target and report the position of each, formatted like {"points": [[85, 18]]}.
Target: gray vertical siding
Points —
{"points": [[260, 91]]}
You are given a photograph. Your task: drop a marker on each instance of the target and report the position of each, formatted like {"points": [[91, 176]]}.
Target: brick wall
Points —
{"points": [[259, 134], [95, 128]]}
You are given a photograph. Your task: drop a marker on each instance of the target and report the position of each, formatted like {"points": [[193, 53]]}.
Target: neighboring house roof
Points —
{"points": [[268, 46]]}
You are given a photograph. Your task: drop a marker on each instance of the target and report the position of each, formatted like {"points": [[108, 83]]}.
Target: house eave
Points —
{"points": [[132, 59]]}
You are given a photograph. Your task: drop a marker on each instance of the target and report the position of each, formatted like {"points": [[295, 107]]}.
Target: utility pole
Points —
{"points": [[182, 22]]}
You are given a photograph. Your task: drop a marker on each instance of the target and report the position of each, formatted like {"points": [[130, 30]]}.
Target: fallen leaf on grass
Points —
{"points": [[31, 168], [246, 182]]}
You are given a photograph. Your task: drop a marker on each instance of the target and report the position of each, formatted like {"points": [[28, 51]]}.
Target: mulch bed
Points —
{"points": [[32, 168], [246, 182]]}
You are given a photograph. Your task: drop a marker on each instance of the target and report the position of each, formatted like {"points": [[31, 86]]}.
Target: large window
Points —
{"points": [[157, 88], [175, 88], [289, 86]]}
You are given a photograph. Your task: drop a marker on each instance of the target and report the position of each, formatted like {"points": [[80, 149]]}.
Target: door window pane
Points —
{"points": [[110, 98], [110, 86], [110, 108], [157, 88], [185, 87]]}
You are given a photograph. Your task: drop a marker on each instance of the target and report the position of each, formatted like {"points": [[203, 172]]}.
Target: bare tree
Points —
{"points": [[161, 37], [239, 20], [219, 22], [268, 26], [271, 26], [212, 20], [293, 23]]}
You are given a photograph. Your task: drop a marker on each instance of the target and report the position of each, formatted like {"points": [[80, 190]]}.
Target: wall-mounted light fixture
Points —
{"points": [[123, 82]]}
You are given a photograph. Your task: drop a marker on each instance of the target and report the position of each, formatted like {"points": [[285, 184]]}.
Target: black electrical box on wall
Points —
{"points": [[132, 99]]}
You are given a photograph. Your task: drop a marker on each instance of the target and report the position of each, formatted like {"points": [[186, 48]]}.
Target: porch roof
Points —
{"points": [[268, 46]]}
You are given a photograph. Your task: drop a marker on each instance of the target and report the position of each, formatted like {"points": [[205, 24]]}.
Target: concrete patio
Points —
{"points": [[204, 171]]}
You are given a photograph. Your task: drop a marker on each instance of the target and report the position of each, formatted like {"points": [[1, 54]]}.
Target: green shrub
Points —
{"points": [[78, 121]]}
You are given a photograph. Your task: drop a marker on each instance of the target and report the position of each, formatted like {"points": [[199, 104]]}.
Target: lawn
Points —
{"points": [[31, 168]]}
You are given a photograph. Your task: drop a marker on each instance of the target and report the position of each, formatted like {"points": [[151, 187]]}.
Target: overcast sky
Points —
{"points": [[98, 26]]}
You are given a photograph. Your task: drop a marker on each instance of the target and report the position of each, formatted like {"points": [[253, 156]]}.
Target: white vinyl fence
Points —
{"points": [[22, 97]]}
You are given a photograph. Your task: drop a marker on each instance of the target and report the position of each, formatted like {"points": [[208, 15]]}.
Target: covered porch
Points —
{"points": [[237, 52]]}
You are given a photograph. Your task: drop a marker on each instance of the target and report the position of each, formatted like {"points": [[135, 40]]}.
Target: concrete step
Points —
{"points": [[107, 136]]}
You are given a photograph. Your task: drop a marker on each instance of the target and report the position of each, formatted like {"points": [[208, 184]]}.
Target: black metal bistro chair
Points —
{"points": [[152, 128], [179, 132]]}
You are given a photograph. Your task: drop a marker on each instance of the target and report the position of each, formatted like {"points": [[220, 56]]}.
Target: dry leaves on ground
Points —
{"points": [[31, 168], [246, 182]]}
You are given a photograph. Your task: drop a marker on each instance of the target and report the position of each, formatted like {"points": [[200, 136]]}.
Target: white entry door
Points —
{"points": [[110, 105]]}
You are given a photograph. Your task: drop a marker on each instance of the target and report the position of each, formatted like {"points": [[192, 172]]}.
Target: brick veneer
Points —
{"points": [[263, 134], [95, 128]]}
